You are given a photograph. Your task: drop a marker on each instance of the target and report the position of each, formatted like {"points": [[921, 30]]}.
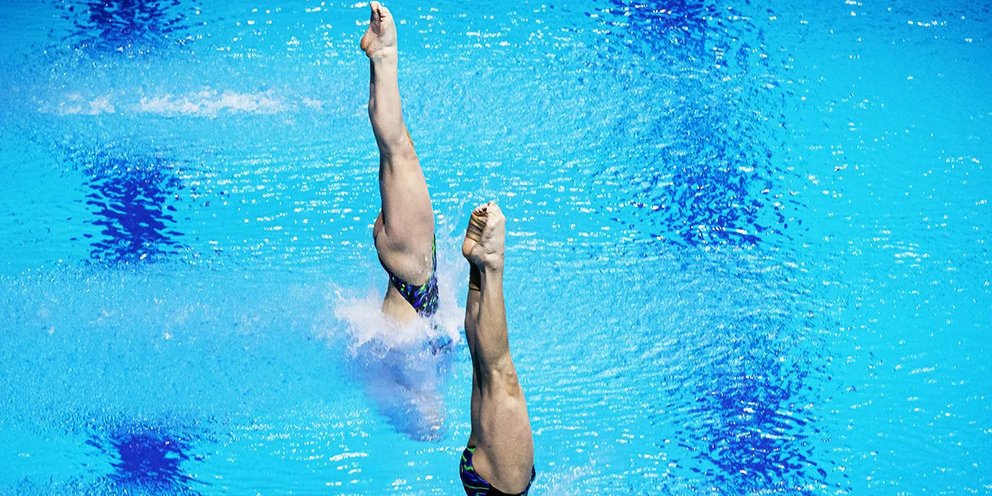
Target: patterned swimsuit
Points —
{"points": [[475, 485], [423, 297]]}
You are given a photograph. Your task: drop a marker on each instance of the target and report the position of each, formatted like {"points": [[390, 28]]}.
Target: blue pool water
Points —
{"points": [[748, 245]]}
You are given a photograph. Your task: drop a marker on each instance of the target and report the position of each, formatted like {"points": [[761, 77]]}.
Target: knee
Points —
{"points": [[399, 146]]}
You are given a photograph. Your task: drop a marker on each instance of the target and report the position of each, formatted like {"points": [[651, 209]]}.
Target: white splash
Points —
{"points": [[204, 103], [76, 104], [210, 102], [404, 366]]}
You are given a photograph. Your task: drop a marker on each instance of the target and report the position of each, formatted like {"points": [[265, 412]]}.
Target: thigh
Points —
{"points": [[404, 233], [505, 452]]}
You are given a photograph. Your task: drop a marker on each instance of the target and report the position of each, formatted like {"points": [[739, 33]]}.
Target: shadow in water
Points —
{"points": [[707, 160], [131, 27], [681, 25], [709, 165], [750, 398], [749, 430], [131, 200], [147, 459]]}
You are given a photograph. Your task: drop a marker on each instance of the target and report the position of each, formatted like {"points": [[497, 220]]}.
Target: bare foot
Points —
{"points": [[484, 248], [380, 38]]}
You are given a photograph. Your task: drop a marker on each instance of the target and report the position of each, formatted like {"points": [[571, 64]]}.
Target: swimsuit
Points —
{"points": [[423, 297], [475, 485]]}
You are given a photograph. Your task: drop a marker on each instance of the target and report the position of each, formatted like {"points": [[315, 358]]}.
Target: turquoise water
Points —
{"points": [[747, 246]]}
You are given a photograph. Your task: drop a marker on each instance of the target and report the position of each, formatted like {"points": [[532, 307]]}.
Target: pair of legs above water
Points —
{"points": [[500, 451]]}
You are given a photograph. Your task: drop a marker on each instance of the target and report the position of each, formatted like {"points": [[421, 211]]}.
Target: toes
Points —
{"points": [[376, 9], [379, 10], [493, 208]]}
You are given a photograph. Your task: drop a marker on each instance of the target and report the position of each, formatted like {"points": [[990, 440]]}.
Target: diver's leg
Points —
{"points": [[405, 228], [500, 424], [471, 328]]}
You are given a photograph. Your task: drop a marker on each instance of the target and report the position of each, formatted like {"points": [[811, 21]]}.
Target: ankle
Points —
{"points": [[492, 265], [383, 55], [491, 277]]}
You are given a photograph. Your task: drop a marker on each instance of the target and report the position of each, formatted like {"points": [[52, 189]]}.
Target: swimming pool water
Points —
{"points": [[747, 245]]}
